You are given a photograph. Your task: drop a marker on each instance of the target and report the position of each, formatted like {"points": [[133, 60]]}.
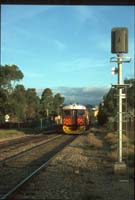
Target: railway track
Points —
{"points": [[12, 148], [24, 139], [17, 170], [42, 141]]}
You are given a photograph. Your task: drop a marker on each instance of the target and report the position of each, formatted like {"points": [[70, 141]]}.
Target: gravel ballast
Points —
{"points": [[80, 171]]}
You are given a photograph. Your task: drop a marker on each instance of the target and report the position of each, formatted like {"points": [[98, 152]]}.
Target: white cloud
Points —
{"points": [[82, 95], [91, 95]]}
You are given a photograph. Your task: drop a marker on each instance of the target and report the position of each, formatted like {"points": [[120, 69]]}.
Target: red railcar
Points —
{"points": [[75, 119]]}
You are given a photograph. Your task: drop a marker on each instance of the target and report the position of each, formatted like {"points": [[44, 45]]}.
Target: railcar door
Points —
{"points": [[74, 117]]}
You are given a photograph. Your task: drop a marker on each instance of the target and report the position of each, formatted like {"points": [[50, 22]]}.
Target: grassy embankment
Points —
{"points": [[128, 148], [12, 133], [111, 138]]}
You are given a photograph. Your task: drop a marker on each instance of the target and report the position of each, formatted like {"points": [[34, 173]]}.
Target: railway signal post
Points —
{"points": [[119, 45]]}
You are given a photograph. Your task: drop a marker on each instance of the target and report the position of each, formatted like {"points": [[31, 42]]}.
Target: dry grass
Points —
{"points": [[125, 138], [113, 155], [128, 149], [128, 154], [93, 141], [112, 138], [10, 133]]}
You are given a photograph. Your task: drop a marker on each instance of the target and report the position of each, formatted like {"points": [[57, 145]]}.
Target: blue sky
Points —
{"points": [[65, 47]]}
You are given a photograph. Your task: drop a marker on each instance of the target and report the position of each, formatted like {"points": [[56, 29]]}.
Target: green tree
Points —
{"points": [[32, 104], [109, 107], [110, 103], [9, 75], [102, 115], [3, 104], [58, 100], [46, 103], [130, 92], [18, 103]]}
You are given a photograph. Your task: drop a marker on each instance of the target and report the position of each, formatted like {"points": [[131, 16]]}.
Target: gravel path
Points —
{"points": [[80, 172]]}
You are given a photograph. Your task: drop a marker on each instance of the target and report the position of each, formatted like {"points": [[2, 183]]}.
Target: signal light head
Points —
{"points": [[114, 70]]}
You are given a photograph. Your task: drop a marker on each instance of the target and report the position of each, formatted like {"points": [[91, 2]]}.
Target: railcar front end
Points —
{"points": [[75, 119]]}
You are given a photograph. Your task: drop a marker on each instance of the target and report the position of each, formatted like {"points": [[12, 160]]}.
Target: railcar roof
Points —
{"points": [[74, 107]]}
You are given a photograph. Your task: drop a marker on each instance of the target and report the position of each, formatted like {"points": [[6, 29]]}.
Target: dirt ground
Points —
{"points": [[81, 172]]}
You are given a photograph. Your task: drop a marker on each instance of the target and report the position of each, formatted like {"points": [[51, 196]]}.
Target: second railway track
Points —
{"points": [[19, 169], [10, 153]]}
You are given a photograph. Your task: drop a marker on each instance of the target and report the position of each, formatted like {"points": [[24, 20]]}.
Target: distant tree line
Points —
{"points": [[108, 108], [23, 104]]}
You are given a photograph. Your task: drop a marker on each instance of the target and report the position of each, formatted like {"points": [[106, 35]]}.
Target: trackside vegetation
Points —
{"points": [[10, 133], [21, 104], [109, 107]]}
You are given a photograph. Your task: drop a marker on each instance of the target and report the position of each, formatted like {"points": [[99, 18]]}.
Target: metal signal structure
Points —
{"points": [[119, 39], [119, 44], [114, 70]]}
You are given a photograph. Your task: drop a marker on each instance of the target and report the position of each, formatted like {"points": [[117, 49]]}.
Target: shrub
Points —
{"points": [[93, 141], [111, 138], [113, 155]]}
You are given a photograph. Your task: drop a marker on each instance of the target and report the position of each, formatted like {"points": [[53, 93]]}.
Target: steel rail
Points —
{"points": [[21, 183], [21, 140], [2, 162]]}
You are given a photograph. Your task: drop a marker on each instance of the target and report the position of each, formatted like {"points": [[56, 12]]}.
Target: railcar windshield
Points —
{"points": [[80, 113], [66, 113]]}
